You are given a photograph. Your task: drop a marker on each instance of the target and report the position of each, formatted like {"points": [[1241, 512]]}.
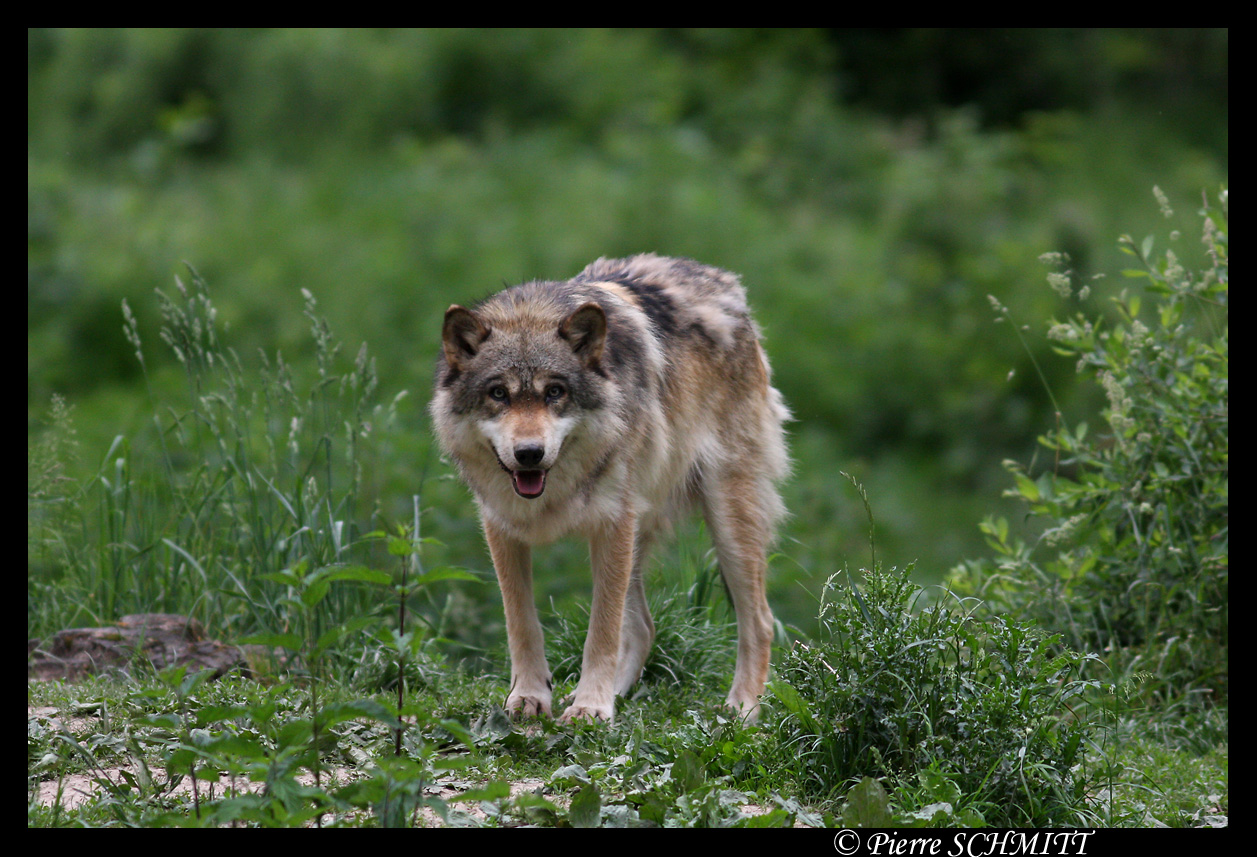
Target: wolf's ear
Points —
{"points": [[586, 331], [462, 335]]}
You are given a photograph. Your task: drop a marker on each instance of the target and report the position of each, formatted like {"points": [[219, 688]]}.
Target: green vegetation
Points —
{"points": [[980, 706], [1133, 555], [257, 456], [254, 473], [390, 173]]}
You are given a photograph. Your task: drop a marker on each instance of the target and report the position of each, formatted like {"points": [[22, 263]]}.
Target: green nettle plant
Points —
{"points": [[1132, 560], [935, 696]]}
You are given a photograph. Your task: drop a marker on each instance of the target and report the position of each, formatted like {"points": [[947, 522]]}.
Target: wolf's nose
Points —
{"points": [[530, 456]]}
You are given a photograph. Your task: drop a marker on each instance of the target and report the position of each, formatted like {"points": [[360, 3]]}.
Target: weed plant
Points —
{"points": [[932, 698], [1132, 559]]}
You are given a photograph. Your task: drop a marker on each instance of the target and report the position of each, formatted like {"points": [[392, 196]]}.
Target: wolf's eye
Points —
{"points": [[498, 393], [555, 392]]}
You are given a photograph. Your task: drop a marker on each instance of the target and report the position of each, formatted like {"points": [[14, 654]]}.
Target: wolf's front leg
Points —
{"points": [[531, 693], [611, 555]]}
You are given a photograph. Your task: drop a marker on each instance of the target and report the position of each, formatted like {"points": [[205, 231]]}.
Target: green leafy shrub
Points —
{"points": [[1132, 560], [894, 689]]}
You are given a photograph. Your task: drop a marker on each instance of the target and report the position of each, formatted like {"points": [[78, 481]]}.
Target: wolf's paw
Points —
{"points": [[746, 710], [521, 706], [604, 713]]}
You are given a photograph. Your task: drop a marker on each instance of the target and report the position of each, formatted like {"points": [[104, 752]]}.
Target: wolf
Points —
{"points": [[606, 406]]}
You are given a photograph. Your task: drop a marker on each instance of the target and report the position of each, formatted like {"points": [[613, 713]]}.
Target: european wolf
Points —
{"points": [[606, 406]]}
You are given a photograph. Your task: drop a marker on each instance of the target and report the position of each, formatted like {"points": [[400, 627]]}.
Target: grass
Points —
{"points": [[246, 473], [692, 768], [988, 708], [670, 760]]}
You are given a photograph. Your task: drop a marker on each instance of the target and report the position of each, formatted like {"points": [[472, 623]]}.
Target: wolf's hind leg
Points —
{"points": [[637, 629], [740, 522]]}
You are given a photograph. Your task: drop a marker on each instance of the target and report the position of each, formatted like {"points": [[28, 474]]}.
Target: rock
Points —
{"points": [[158, 639]]}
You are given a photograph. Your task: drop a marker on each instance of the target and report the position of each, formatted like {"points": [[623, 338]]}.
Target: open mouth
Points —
{"points": [[528, 483]]}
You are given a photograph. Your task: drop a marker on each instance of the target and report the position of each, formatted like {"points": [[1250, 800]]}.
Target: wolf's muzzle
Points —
{"points": [[528, 481]]}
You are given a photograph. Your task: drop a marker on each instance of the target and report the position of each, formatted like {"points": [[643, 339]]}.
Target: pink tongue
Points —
{"points": [[530, 483]]}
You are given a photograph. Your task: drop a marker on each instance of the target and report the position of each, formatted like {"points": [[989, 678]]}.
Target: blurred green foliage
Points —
{"points": [[871, 186]]}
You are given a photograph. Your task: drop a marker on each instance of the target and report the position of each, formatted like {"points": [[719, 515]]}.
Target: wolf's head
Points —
{"points": [[518, 381]]}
